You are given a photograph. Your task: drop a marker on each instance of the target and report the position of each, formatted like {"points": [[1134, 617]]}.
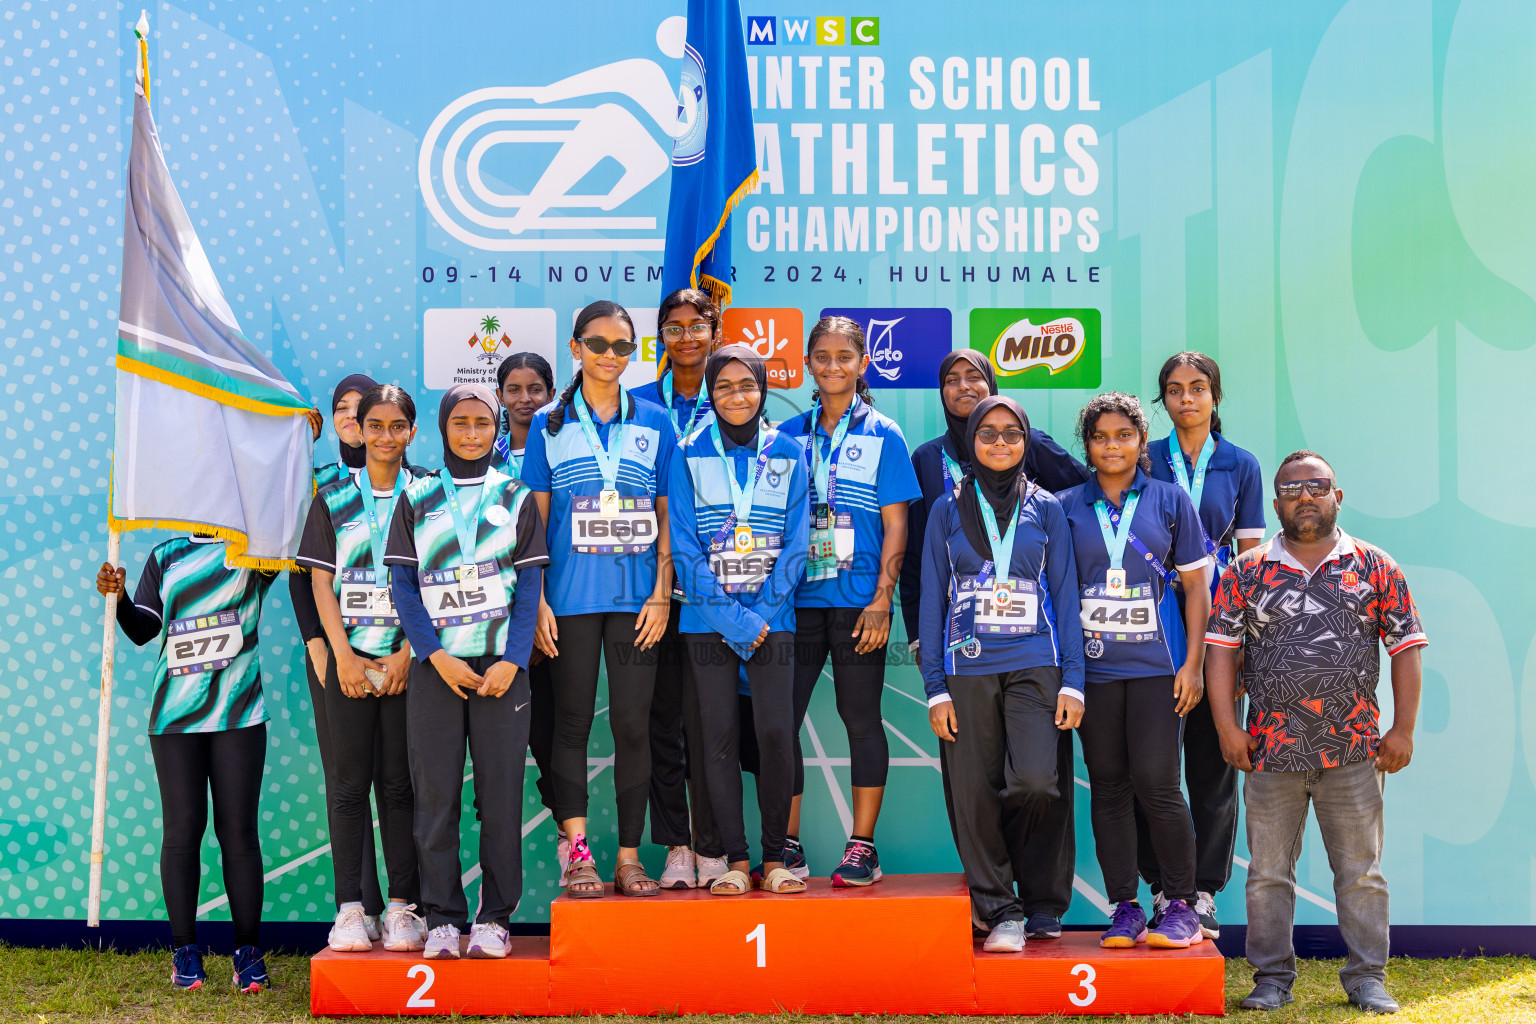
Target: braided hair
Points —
{"points": [[846, 328], [593, 311]]}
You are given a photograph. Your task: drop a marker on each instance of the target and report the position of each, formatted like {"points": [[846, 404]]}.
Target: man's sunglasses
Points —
{"points": [[1316, 488], [1011, 436], [600, 345]]}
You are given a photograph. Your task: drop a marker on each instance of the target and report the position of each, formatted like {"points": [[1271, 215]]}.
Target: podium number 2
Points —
{"points": [[760, 936], [423, 972], [1087, 974]]}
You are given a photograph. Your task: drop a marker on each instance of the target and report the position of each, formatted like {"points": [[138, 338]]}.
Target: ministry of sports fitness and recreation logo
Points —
{"points": [[1040, 348], [626, 111]]}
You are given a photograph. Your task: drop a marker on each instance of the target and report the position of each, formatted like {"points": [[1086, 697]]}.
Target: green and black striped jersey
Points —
{"points": [[207, 678], [470, 622], [337, 540]]}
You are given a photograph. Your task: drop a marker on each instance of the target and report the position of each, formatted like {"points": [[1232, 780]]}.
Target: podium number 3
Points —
{"points": [[423, 972], [760, 936], [1087, 974]]}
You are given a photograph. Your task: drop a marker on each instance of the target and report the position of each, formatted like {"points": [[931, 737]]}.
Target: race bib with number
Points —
{"points": [[977, 612], [451, 601], [739, 573], [362, 603], [831, 544], [622, 526], [203, 644], [1129, 619]]}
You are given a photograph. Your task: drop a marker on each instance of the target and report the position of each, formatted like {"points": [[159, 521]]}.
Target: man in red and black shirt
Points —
{"points": [[1308, 613]]}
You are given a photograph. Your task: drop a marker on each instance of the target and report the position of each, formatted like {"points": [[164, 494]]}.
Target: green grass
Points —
{"points": [[47, 986]]}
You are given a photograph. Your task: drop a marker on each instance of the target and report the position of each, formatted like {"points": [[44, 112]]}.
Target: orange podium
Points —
{"points": [[903, 945]]}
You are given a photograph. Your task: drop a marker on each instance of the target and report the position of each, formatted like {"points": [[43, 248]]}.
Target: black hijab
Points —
{"points": [[352, 458], [955, 425], [1004, 490], [464, 469], [746, 434]]}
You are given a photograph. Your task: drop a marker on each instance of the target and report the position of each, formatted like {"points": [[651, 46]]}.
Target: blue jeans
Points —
{"points": [[1348, 804]]}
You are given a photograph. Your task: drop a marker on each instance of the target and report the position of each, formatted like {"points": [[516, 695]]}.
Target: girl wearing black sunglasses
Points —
{"points": [[601, 484]]}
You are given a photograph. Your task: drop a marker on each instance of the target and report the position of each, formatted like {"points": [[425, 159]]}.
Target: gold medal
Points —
{"points": [[469, 573], [382, 604], [1002, 596], [1114, 582], [608, 504], [744, 542]]}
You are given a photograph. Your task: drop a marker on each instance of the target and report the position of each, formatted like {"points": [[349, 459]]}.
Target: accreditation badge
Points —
{"points": [[1114, 583], [608, 503], [743, 540]]}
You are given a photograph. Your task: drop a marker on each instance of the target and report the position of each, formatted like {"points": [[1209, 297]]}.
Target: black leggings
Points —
{"points": [[1130, 735], [677, 769], [770, 674], [859, 681], [373, 896], [364, 729], [188, 766], [631, 678], [541, 727]]}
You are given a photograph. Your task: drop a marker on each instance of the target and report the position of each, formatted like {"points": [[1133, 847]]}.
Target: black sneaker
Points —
{"points": [[860, 866], [1043, 926], [1205, 910]]}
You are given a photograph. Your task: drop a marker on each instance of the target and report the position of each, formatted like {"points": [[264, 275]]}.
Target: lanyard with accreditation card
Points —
{"points": [[467, 528], [1116, 527], [823, 558], [963, 626], [378, 530], [607, 458], [739, 520], [700, 409], [1194, 488]]}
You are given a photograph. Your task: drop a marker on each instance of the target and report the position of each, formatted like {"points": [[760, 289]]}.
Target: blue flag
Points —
{"points": [[714, 161]]}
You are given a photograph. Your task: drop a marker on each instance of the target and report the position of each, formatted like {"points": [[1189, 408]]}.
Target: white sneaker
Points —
{"points": [[350, 932], [710, 868], [404, 931], [1007, 937], [680, 871], [1159, 908], [488, 941], [371, 924], [442, 943]]}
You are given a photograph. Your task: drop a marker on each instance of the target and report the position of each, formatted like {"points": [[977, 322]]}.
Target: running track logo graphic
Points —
{"points": [[579, 112]]}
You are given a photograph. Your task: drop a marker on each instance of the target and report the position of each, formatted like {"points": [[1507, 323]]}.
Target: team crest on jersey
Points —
{"points": [[1349, 580], [1094, 647], [854, 451], [642, 443], [773, 479]]}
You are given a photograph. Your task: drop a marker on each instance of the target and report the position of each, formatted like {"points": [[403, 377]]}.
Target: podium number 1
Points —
{"points": [[1087, 974], [760, 936]]}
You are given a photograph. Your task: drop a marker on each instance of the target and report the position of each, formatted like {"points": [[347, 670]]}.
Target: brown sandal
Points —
{"points": [[583, 872], [628, 876]]}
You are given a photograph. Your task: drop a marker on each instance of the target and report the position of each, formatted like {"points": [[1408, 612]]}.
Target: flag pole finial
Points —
{"points": [[142, 31]]}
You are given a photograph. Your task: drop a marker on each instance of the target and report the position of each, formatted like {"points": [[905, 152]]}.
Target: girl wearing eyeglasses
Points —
{"points": [[861, 480], [1227, 488], [686, 324], [601, 481], [1001, 657], [1135, 537], [740, 536], [1047, 861]]}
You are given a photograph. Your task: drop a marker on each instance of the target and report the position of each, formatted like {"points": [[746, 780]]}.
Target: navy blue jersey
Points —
{"points": [[1045, 463], [1132, 636], [1232, 501], [1041, 562]]}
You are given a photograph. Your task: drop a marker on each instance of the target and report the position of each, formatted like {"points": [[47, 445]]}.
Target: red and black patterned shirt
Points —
{"points": [[1311, 659]]}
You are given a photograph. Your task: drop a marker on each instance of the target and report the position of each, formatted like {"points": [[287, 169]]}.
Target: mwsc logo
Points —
{"points": [[1040, 348], [627, 111], [768, 30]]}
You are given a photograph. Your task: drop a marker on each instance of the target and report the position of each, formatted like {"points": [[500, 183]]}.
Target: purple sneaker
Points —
{"points": [[1126, 928], [1179, 928]]}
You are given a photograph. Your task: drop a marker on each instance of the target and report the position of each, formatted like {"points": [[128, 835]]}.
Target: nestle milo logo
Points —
{"points": [[1040, 348]]}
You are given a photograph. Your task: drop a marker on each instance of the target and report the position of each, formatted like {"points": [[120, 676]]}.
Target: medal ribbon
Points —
{"points": [[1002, 544], [1197, 488], [607, 458], [1115, 540], [952, 471], [468, 529], [824, 475], [741, 497], [378, 531], [701, 407]]}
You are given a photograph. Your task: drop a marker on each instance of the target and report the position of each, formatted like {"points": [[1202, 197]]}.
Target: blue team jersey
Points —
{"points": [[1041, 568], [1232, 502], [684, 412], [1138, 635], [589, 573], [1045, 463], [506, 460], [779, 522], [874, 469]]}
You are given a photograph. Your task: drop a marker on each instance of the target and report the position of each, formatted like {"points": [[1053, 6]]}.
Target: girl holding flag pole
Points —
{"points": [[740, 537]]}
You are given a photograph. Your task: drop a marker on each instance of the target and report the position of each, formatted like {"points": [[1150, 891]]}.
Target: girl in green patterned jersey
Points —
{"points": [[364, 693], [207, 732]]}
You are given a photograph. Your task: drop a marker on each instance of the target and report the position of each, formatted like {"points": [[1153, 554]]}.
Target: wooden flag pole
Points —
{"points": [[103, 740]]}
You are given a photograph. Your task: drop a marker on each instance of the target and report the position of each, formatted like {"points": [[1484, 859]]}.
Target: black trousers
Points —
{"points": [[677, 770], [858, 680], [1212, 785], [541, 728], [1131, 745], [1002, 775], [369, 731], [631, 678], [770, 674], [229, 765], [438, 724], [368, 869]]}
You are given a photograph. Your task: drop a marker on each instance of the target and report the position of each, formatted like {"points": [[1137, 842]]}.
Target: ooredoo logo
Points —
{"points": [[777, 334], [1040, 348]]}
